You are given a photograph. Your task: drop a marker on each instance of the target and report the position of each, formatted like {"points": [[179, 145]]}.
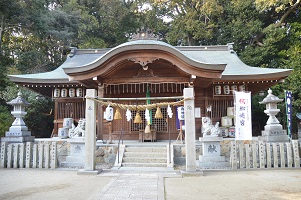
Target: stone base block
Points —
{"points": [[18, 139], [17, 133], [89, 172], [73, 164], [274, 138], [212, 158], [213, 162], [273, 132], [211, 139], [77, 153]]}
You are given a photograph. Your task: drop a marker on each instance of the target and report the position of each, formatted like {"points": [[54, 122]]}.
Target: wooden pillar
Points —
{"points": [[100, 114], [55, 118]]}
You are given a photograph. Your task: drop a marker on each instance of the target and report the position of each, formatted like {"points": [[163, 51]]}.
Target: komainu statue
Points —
{"points": [[208, 129], [79, 130]]}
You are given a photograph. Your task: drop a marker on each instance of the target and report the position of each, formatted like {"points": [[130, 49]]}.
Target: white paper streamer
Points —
{"points": [[169, 111], [147, 117], [128, 115]]}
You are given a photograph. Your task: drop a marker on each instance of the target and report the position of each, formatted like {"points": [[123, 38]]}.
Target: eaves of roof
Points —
{"points": [[219, 57], [143, 45]]}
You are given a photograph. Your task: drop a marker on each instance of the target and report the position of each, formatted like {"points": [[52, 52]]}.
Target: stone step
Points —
{"points": [[146, 149], [144, 165], [144, 160], [144, 154]]}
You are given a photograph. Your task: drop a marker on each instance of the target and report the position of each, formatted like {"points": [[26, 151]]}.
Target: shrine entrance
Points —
{"points": [[133, 95]]}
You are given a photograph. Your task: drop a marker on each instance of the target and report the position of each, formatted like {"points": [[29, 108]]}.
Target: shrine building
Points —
{"points": [[135, 67]]}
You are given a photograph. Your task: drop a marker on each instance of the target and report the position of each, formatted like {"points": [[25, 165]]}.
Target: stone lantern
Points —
{"points": [[18, 132], [273, 131]]}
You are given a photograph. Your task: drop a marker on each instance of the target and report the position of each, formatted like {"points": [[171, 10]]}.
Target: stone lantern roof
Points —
{"points": [[19, 101], [270, 98]]}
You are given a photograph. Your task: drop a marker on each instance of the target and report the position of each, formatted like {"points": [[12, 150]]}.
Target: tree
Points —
{"points": [[192, 22]]}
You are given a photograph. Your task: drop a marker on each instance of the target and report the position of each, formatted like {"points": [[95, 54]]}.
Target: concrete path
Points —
{"points": [[127, 184]]}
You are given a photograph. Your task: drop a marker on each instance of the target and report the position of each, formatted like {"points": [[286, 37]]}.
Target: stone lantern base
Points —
{"points": [[18, 139], [273, 133], [16, 134]]}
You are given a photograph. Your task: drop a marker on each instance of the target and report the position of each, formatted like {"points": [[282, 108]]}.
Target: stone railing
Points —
{"points": [[28, 155], [264, 155], [241, 154], [50, 155]]}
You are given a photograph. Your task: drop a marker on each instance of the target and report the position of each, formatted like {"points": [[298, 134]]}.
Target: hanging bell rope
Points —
{"points": [[139, 107], [117, 114], [137, 119], [147, 129], [158, 114]]}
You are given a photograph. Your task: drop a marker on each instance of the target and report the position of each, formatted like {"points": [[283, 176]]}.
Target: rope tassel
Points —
{"points": [[117, 114], [137, 119], [158, 113]]}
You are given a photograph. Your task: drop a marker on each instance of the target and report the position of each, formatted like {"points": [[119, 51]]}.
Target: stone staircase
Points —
{"points": [[144, 156]]}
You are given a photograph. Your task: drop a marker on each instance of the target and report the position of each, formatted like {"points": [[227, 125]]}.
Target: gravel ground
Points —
{"points": [[35, 184], [259, 184]]}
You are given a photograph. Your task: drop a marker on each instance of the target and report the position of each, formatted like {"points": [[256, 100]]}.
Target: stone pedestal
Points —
{"points": [[211, 157], [273, 133], [77, 153]]}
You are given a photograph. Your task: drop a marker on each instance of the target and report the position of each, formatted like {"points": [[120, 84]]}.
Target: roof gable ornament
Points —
{"points": [[143, 61], [143, 34]]}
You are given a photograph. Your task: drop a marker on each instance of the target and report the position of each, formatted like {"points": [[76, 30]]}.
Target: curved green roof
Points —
{"points": [[209, 57]]}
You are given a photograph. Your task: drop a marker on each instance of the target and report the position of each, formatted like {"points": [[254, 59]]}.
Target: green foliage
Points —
{"points": [[39, 118], [259, 118], [6, 120]]}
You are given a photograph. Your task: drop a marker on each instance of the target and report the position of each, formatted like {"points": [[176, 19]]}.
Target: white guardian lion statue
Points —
{"points": [[208, 129], [79, 130]]}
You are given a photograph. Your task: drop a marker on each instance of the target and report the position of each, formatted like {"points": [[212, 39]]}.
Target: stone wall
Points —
{"points": [[105, 156]]}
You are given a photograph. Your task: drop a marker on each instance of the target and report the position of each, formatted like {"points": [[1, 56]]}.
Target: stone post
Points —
{"points": [[90, 137], [189, 130]]}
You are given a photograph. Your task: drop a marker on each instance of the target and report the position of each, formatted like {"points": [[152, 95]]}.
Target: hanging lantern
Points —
{"points": [[169, 111], [117, 114], [109, 113], [128, 115], [226, 89], [79, 92], [242, 88], [56, 92], [137, 119], [147, 129], [233, 88], [64, 92], [218, 89], [158, 114], [71, 92], [181, 113]]}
